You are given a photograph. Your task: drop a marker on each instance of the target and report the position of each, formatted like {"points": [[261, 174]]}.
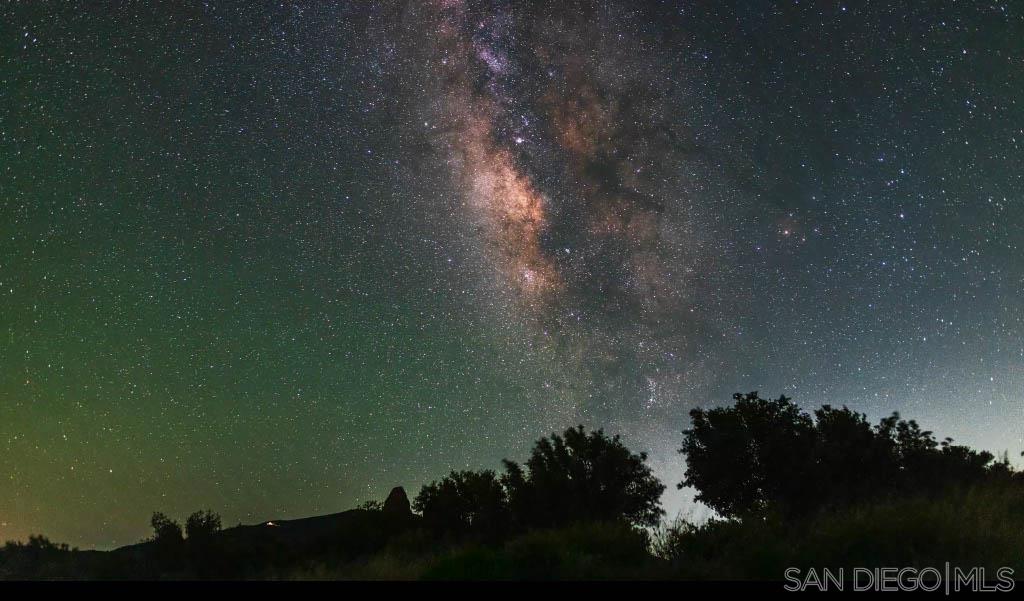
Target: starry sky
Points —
{"points": [[274, 258]]}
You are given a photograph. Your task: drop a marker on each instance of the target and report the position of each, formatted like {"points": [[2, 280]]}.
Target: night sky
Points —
{"points": [[276, 258]]}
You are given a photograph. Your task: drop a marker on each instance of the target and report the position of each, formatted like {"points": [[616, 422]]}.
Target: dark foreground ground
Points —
{"points": [[981, 527]]}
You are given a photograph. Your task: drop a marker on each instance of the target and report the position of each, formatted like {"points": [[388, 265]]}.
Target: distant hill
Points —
{"points": [[345, 536]]}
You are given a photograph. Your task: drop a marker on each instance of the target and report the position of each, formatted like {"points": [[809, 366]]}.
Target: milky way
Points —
{"points": [[587, 194], [275, 258]]}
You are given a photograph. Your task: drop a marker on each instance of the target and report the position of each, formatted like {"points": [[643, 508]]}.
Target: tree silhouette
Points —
{"points": [[742, 457], [206, 552], [202, 525], [168, 541], [573, 477], [925, 464], [581, 477], [371, 505], [850, 457], [37, 558], [165, 529], [761, 455], [465, 503]]}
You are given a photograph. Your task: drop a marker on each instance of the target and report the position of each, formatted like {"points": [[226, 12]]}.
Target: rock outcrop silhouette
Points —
{"points": [[397, 503]]}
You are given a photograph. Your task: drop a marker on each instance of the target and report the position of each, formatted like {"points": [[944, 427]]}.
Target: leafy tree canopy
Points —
{"points": [[762, 454], [580, 476], [465, 503]]}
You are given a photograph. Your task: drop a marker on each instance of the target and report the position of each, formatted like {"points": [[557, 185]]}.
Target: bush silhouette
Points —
{"points": [[593, 551], [978, 526]]}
